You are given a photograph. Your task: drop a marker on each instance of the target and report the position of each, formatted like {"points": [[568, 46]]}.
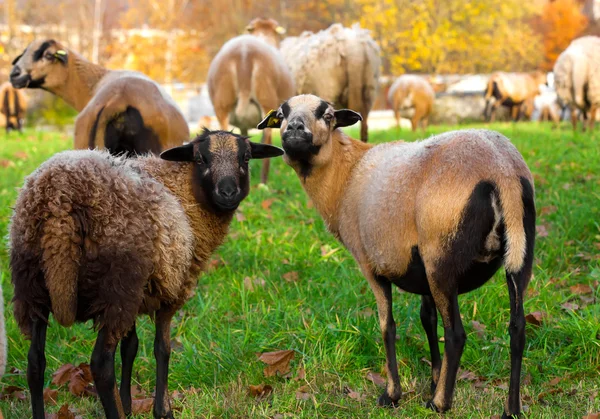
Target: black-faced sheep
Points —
{"points": [[246, 79], [13, 106], [103, 238], [436, 218], [577, 78], [513, 90], [122, 111], [411, 96], [338, 64]]}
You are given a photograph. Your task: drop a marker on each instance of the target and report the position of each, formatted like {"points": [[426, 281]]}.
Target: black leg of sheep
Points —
{"points": [[162, 353], [429, 320], [103, 371], [129, 348], [36, 365]]}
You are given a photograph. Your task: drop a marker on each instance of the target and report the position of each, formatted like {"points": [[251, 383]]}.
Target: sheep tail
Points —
{"points": [[6, 105], [61, 253], [244, 73], [513, 211]]}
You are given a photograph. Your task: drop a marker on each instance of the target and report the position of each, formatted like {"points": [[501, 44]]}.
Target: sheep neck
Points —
{"points": [[326, 184], [82, 79]]}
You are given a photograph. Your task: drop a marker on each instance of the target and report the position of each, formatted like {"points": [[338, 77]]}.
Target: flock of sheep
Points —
{"points": [[108, 235]]}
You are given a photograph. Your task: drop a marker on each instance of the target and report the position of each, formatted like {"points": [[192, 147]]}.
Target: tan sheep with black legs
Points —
{"points": [[411, 96], [436, 218], [13, 107], [103, 238], [122, 111]]}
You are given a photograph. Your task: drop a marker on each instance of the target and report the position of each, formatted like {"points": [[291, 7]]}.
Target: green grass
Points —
{"points": [[327, 315]]}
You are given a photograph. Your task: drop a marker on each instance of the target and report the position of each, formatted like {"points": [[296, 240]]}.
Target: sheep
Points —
{"points": [[413, 94], [267, 29], [511, 89], [436, 218], [13, 106], [105, 238], [123, 111], [576, 78], [246, 79], [338, 64]]}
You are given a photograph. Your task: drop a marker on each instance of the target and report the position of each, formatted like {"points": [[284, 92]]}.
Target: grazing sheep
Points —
{"points": [[13, 106], [511, 89], [436, 218], [122, 111], [577, 78], [411, 96], [104, 238], [338, 64], [246, 79]]}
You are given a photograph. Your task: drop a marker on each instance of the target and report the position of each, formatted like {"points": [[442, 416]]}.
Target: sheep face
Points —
{"points": [[41, 65], [266, 29], [306, 123], [220, 174]]}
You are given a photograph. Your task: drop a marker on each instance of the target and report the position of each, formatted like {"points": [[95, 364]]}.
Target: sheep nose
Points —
{"points": [[296, 125], [16, 72], [228, 191]]}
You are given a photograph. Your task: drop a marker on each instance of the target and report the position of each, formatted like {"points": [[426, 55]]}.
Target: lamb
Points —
{"points": [[512, 90], [338, 64], [413, 94], [576, 78], [13, 107], [436, 218], [104, 238], [246, 79], [122, 111]]}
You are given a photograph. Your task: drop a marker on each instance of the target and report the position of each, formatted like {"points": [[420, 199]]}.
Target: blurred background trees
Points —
{"points": [[173, 40]]}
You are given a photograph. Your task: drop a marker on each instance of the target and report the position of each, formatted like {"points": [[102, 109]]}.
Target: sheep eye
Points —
{"points": [[328, 117], [49, 56], [279, 115]]}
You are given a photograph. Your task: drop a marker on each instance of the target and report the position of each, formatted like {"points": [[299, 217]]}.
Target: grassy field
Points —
{"points": [[285, 283]]}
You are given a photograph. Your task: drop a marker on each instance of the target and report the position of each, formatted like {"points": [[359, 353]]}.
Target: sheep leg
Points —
{"points": [[592, 121], [382, 289], [103, 371], [129, 347], [574, 119], [429, 321], [36, 366], [455, 338], [364, 129], [266, 163], [162, 353]]}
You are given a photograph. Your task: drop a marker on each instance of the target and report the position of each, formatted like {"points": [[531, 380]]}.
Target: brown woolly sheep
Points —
{"points": [[122, 111], [13, 106], [338, 64], [511, 89], [246, 79], [104, 238], [414, 94], [436, 218]]}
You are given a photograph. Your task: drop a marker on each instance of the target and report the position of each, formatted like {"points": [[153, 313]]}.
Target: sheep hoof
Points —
{"points": [[515, 416], [431, 405], [166, 416], [386, 401], [433, 387]]}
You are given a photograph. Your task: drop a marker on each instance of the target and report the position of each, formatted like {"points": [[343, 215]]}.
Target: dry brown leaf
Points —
{"points": [[137, 391], [21, 155], [581, 289], [570, 306], [535, 318], [86, 371], [78, 383], [425, 360], [266, 204], [50, 396], [6, 163], [376, 379], [366, 313], [479, 328], [141, 406], [554, 381], [541, 230], [592, 416], [240, 216], [291, 276], [62, 375], [301, 375], [548, 210], [63, 413], [354, 394], [260, 391], [303, 393], [277, 362], [468, 376]]}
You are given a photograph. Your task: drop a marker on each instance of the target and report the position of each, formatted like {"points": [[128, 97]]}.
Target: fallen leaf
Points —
{"points": [[62, 375], [554, 381], [78, 382], [548, 210], [592, 416], [303, 393], [376, 379], [468, 376], [86, 371], [266, 204], [63, 413], [479, 328], [366, 313], [581, 289], [240, 216], [260, 391], [21, 155], [310, 204], [141, 406], [301, 375], [541, 230], [570, 306], [13, 392], [354, 394], [137, 391], [50, 396], [535, 318], [277, 361], [6, 163], [425, 360], [291, 276]]}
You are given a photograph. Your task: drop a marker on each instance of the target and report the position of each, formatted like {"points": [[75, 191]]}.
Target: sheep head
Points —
{"points": [[307, 123], [43, 64], [266, 29], [220, 177]]}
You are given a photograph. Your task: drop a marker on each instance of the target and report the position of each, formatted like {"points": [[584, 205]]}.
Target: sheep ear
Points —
{"points": [[181, 153], [264, 151], [61, 55], [17, 59], [280, 30], [345, 118], [270, 121]]}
